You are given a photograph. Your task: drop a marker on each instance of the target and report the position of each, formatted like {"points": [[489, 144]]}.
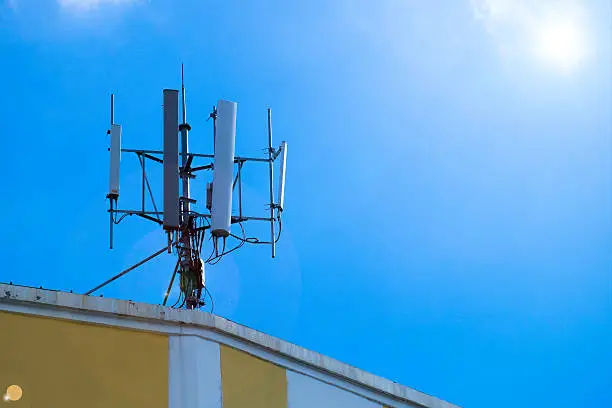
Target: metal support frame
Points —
{"points": [[110, 197], [145, 182], [181, 238], [240, 164], [131, 268], [142, 164], [176, 267], [200, 155], [143, 155], [271, 171]]}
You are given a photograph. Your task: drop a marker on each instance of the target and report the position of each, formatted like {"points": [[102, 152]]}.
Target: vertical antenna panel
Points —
{"points": [[225, 138], [115, 160], [171, 172], [281, 184]]}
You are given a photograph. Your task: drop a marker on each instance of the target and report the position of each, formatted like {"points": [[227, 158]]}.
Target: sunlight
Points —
{"points": [[561, 44]]}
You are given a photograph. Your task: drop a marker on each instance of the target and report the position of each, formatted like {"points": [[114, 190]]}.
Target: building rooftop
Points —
{"points": [[98, 309]]}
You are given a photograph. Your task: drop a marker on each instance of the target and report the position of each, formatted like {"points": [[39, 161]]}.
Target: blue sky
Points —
{"points": [[448, 207]]}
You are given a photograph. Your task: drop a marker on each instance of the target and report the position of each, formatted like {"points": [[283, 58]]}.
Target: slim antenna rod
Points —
{"points": [[112, 109], [111, 222], [183, 92], [271, 167], [184, 128]]}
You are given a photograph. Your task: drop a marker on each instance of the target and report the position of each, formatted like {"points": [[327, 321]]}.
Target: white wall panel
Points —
{"points": [[195, 373], [306, 392]]}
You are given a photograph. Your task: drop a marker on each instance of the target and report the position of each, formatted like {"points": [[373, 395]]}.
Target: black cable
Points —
{"points": [[280, 229], [242, 240], [212, 301], [178, 300], [211, 256], [253, 240], [120, 218], [201, 242], [217, 258]]}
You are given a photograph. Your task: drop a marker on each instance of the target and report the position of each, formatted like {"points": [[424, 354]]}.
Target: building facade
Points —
{"points": [[65, 350]]}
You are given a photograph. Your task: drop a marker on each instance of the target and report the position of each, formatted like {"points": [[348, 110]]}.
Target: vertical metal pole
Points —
{"points": [[240, 189], [112, 122], [185, 231], [184, 129], [183, 93], [112, 109], [144, 177], [111, 222], [271, 167]]}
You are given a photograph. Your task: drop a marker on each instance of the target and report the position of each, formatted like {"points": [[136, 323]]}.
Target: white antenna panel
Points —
{"points": [[171, 172], [283, 168], [223, 175], [115, 160]]}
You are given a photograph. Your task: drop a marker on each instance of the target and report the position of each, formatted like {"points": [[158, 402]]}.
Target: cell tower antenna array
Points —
{"points": [[184, 223]]}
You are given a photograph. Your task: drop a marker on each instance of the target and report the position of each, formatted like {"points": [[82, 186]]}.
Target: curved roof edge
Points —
{"points": [[13, 294]]}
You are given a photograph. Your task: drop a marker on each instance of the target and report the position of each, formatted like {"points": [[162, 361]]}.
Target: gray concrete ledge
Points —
{"points": [[180, 317]]}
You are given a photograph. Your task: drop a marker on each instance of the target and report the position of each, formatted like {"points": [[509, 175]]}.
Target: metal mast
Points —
{"points": [[190, 263], [184, 128], [183, 222]]}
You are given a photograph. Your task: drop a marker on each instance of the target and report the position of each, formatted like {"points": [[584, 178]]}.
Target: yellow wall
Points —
{"points": [[250, 382], [67, 364]]}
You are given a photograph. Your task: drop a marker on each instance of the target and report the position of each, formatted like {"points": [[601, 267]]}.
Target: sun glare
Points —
{"points": [[561, 44]]}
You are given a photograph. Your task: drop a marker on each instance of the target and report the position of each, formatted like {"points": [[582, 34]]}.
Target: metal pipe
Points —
{"points": [[183, 93], [195, 214], [112, 121], [151, 195], [206, 167], [148, 217], [271, 172], [257, 219], [142, 164], [127, 270], [137, 212], [184, 129], [184, 176], [240, 189], [111, 222], [142, 151], [112, 110], [207, 156], [244, 159], [171, 282], [148, 156]]}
